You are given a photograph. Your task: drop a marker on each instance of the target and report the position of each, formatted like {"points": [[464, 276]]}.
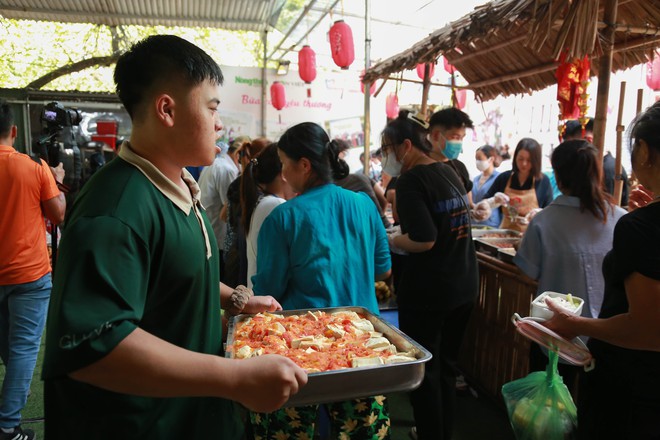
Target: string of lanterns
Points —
{"points": [[342, 50]]}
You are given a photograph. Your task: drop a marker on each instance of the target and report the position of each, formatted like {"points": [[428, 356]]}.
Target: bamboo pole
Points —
{"points": [[618, 178], [604, 73], [367, 88], [425, 89], [640, 99]]}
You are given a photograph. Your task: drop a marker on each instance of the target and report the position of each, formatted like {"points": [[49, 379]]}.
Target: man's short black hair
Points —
{"points": [[574, 128], [449, 118], [6, 118], [157, 60]]}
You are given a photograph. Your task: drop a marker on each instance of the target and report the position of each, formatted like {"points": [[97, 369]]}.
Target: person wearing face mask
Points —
{"points": [[486, 157], [439, 283], [524, 189], [447, 129]]}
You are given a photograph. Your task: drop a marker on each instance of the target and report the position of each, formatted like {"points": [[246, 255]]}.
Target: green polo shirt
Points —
{"points": [[135, 253]]}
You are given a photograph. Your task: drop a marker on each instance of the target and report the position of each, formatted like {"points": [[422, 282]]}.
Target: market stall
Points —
{"points": [[512, 47]]}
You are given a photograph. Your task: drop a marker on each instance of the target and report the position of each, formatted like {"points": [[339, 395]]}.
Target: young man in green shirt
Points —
{"points": [[134, 338]]}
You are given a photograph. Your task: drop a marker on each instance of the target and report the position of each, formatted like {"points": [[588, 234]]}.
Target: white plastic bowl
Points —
{"points": [[540, 310]]}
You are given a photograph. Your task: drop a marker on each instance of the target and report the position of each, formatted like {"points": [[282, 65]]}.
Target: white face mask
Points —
{"points": [[391, 166], [482, 165]]}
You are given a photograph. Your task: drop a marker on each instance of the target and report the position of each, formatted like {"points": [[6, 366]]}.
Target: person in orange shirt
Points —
{"points": [[28, 192]]}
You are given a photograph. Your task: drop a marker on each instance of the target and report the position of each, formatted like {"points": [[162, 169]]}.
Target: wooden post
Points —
{"points": [[425, 89], [618, 179], [640, 99], [604, 72]]}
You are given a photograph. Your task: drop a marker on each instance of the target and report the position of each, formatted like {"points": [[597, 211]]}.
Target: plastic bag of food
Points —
{"points": [[540, 406]]}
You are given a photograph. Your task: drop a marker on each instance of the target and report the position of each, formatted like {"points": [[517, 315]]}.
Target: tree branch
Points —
{"points": [[71, 68]]}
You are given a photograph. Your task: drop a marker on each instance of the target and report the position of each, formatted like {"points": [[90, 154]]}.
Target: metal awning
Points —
{"points": [[247, 15]]}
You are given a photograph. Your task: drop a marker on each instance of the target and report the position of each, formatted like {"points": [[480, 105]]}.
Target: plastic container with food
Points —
{"points": [[572, 304]]}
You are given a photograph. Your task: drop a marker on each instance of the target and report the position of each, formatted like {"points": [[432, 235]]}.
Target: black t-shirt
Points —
{"points": [[357, 182], [432, 206], [462, 172], [636, 248]]}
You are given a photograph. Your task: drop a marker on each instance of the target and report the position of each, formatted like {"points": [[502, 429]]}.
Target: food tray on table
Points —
{"points": [[353, 383], [493, 245], [495, 233]]}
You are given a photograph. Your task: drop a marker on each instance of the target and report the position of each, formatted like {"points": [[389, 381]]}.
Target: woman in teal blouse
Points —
{"points": [[324, 248]]}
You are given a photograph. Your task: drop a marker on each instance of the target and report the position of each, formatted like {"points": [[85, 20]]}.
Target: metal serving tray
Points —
{"points": [[493, 245], [500, 233], [353, 383]]}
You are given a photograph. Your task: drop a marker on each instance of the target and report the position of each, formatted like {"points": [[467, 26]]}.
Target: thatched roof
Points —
{"points": [[511, 46]]}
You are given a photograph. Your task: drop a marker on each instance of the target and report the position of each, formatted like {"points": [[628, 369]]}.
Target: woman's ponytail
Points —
{"points": [[339, 166]]}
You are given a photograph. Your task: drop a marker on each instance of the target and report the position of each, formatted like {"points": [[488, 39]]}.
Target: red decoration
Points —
{"points": [[461, 98], [307, 64], [341, 44], [420, 70], [277, 96], [372, 88], [392, 106], [653, 72], [572, 80], [448, 67]]}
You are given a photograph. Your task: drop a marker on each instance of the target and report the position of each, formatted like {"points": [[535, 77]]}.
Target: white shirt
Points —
{"points": [[213, 183], [264, 207]]}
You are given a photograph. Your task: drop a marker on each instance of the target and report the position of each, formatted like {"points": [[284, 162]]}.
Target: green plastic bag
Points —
{"points": [[540, 406]]}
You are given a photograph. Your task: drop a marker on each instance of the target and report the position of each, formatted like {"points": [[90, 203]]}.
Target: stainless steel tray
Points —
{"points": [[499, 233], [353, 383], [493, 245]]}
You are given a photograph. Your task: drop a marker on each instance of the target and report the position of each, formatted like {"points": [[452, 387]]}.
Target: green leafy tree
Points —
{"points": [[74, 56]]}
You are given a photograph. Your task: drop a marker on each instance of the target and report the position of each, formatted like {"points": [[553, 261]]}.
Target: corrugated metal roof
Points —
{"points": [[249, 15]]}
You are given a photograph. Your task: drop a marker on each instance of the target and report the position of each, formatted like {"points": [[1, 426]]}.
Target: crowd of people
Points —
{"points": [[135, 321]]}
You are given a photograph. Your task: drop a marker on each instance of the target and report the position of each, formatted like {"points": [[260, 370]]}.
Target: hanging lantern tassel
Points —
{"points": [[278, 97], [392, 106], [307, 66], [341, 44]]}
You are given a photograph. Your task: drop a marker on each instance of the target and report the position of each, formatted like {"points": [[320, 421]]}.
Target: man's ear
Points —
{"points": [[164, 107], [13, 133]]}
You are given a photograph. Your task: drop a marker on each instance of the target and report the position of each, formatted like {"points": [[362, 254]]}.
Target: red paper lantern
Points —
{"points": [[653, 73], [277, 95], [461, 98], [448, 67], [307, 64], [341, 44], [392, 106], [372, 88], [420, 70]]}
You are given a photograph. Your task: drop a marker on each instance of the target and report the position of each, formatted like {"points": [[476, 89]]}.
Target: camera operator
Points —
{"points": [[59, 145], [28, 192]]}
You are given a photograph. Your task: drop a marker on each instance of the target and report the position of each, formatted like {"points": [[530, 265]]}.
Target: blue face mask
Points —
{"points": [[452, 149]]}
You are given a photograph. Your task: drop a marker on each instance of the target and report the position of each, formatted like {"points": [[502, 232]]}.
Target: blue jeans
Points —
{"points": [[23, 309]]}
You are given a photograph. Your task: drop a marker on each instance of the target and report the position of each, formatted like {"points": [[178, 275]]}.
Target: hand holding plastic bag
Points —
{"points": [[540, 406]]}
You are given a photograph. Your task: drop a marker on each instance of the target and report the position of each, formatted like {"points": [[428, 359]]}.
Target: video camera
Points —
{"points": [[56, 116], [58, 145]]}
